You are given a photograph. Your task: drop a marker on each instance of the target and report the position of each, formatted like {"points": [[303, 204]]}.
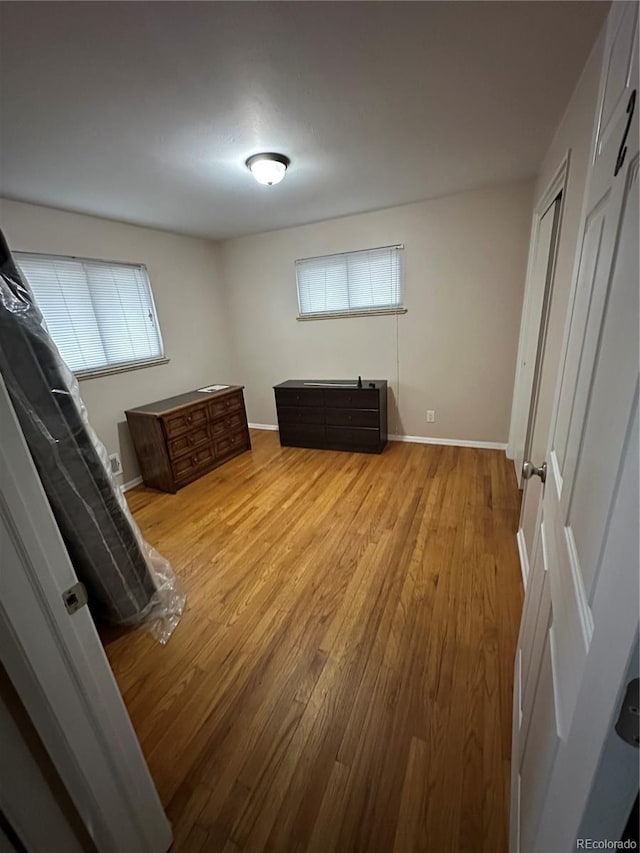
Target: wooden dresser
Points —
{"points": [[179, 439], [333, 414]]}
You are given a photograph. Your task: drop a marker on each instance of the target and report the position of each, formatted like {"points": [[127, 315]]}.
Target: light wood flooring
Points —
{"points": [[342, 677]]}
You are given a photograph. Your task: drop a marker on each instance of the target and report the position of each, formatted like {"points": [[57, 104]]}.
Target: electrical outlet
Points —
{"points": [[431, 416], [116, 464]]}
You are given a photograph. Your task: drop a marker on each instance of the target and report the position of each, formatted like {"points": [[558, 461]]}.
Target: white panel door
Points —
{"points": [[580, 619], [59, 669]]}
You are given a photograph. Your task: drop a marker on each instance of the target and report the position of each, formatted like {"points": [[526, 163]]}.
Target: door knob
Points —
{"points": [[529, 470]]}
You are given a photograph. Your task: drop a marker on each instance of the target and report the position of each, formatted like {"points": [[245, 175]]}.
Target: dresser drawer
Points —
{"points": [[300, 415], [345, 437], [231, 443], [184, 466], [359, 398], [185, 420], [301, 435], [352, 417], [223, 407], [294, 397], [188, 441], [231, 422]]}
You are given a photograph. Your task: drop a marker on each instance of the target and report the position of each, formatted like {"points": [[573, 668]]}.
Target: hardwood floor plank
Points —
{"points": [[410, 835], [184, 814], [324, 835], [341, 678], [197, 841], [471, 814]]}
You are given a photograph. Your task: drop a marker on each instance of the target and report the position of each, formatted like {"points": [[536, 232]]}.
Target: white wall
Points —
{"points": [[465, 260], [573, 135], [187, 287], [228, 311]]}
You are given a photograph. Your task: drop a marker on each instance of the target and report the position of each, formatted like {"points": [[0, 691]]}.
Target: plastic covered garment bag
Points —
{"points": [[128, 581]]}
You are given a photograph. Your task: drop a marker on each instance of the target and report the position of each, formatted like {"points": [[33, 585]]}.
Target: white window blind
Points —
{"points": [[362, 282], [100, 314]]}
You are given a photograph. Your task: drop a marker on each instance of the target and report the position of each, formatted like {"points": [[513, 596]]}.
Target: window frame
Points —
{"points": [[355, 312], [115, 367]]}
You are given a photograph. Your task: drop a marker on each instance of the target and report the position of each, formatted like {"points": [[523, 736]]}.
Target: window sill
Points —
{"points": [[81, 375], [337, 315]]}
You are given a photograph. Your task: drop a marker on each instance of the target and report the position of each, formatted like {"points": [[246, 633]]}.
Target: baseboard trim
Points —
{"points": [[421, 439], [130, 484], [450, 442], [518, 472], [524, 559]]}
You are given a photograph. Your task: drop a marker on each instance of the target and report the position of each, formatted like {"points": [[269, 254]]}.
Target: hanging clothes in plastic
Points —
{"points": [[127, 581]]}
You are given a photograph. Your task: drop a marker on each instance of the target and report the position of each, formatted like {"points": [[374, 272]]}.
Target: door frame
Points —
{"points": [[544, 322], [58, 667], [528, 341]]}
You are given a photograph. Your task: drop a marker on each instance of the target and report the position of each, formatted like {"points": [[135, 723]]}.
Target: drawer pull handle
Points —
{"points": [[189, 419]]}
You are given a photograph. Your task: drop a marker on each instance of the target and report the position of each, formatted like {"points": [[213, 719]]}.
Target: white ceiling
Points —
{"points": [[146, 112]]}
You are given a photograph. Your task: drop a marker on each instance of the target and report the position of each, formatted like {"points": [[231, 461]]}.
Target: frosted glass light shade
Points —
{"points": [[268, 169]]}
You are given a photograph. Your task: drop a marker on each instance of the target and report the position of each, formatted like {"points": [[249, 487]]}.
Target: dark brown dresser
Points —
{"points": [[179, 439], [333, 414]]}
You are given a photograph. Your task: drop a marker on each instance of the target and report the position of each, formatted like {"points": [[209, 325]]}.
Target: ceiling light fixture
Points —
{"points": [[268, 169]]}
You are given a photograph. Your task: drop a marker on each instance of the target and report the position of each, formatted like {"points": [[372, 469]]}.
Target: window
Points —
{"points": [[99, 313], [367, 282]]}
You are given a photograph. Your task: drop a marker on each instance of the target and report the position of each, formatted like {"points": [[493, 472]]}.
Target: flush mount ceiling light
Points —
{"points": [[268, 169]]}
